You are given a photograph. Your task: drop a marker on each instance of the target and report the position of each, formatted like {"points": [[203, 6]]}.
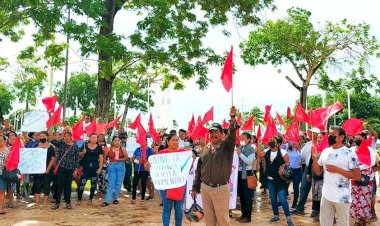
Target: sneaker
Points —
{"points": [[245, 220], [55, 206], [239, 218], [274, 219], [290, 223], [314, 214]]}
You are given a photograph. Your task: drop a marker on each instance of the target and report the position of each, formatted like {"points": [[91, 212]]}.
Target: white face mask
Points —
{"points": [[242, 143]]}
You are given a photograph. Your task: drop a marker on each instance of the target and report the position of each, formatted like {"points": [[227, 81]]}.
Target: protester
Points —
{"points": [[213, 173], [42, 181], [276, 160], [7, 127], [85, 123], [30, 141], [362, 194], [68, 162], [103, 176], [11, 140], [246, 158], [339, 164], [4, 152], [92, 163], [127, 183], [296, 166], [116, 170], [140, 173], [65, 124]]}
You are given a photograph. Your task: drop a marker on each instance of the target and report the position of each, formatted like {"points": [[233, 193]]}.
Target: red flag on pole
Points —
{"points": [[324, 144], [280, 120], [227, 72], [293, 132], [199, 132], [353, 126], [248, 125], [191, 125], [135, 123], [288, 113], [363, 153], [267, 113], [152, 130], [199, 120], [209, 116], [49, 103], [259, 132], [225, 124], [334, 108], [55, 118], [141, 139], [319, 118], [101, 128], [14, 155], [301, 115], [91, 128], [271, 130], [238, 120], [113, 123], [78, 129]]}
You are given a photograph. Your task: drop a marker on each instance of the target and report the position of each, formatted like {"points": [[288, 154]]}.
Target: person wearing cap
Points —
{"points": [[305, 183], [213, 173], [339, 165], [7, 127]]}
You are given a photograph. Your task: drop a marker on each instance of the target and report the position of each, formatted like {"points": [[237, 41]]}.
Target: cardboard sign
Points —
{"points": [[170, 170], [35, 121], [32, 160]]}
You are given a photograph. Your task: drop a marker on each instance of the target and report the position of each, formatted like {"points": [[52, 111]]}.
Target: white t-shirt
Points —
{"points": [[337, 188], [306, 152], [84, 128], [273, 154]]}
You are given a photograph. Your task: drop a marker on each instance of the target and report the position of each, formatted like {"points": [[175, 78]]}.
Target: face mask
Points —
{"points": [[332, 140], [43, 140], [242, 143], [272, 144], [358, 142]]}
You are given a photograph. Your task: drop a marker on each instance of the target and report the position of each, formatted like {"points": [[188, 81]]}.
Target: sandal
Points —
{"points": [[55, 206], [68, 206], [104, 204], [115, 202]]}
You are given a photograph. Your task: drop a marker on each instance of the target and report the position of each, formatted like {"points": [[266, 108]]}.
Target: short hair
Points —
{"points": [[94, 134], [44, 132], [247, 135], [173, 131], [11, 133], [182, 130], [341, 131]]}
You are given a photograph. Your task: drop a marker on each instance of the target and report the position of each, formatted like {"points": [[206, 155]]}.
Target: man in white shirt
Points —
{"points": [[340, 165], [86, 123]]}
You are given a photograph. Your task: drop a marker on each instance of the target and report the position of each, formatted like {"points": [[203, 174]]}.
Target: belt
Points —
{"points": [[214, 185]]}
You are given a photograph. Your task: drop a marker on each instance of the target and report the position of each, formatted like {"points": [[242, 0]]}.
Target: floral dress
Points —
{"points": [[361, 198]]}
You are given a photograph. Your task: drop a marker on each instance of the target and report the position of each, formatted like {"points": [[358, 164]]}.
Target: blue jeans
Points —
{"points": [[116, 172], [273, 193], [305, 189], [297, 177], [168, 205]]}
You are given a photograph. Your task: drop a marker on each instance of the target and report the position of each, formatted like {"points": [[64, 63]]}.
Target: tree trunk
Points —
{"points": [[27, 102], [126, 108], [303, 96], [103, 97]]}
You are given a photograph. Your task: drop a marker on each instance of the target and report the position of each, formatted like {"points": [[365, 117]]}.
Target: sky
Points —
{"points": [[257, 86]]}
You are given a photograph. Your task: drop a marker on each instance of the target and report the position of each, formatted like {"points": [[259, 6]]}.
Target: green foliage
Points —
{"points": [[258, 115], [6, 98], [3, 63]]}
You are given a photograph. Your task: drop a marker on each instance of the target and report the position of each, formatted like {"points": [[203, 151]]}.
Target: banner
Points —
{"points": [[32, 160], [170, 170], [35, 121], [232, 183]]}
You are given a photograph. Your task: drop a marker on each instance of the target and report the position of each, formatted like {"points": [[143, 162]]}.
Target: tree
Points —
{"points": [[310, 51], [81, 92], [258, 116], [169, 34], [29, 81], [6, 99]]}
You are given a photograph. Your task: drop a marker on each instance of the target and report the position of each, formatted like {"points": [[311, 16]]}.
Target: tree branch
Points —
{"points": [[293, 83], [125, 66], [296, 69]]}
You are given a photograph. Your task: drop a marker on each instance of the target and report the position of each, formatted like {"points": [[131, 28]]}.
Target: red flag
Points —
{"points": [[55, 118], [319, 118], [237, 141], [91, 128], [14, 155], [288, 113], [301, 115], [135, 123], [353, 126], [248, 125], [293, 132], [238, 120], [363, 153], [199, 120], [78, 129], [113, 123], [267, 113], [270, 131], [225, 124], [141, 139], [101, 128], [280, 120], [324, 144], [334, 108], [49, 103], [191, 125], [227, 72], [209, 116], [199, 132], [259, 132], [152, 130]]}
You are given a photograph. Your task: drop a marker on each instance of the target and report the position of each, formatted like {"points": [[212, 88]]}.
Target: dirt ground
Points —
{"points": [[148, 214]]}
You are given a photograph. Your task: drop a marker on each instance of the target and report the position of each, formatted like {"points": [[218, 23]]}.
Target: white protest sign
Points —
{"points": [[170, 170], [232, 183], [131, 146], [35, 121], [32, 160]]}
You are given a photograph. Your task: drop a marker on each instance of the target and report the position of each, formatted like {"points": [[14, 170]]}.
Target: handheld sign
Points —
{"points": [[32, 160], [170, 170], [35, 121]]}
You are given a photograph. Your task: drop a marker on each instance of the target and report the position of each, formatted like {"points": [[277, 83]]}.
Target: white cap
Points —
{"points": [[315, 130]]}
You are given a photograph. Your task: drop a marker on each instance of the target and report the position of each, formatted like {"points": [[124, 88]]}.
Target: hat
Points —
{"points": [[215, 126], [315, 130]]}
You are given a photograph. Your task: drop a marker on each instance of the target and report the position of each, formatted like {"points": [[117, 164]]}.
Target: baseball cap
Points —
{"points": [[215, 126], [315, 130]]}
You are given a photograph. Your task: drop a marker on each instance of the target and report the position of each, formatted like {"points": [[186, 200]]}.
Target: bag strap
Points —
{"points": [[65, 154]]}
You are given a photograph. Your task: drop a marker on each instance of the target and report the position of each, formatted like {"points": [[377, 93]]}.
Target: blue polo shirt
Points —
{"points": [[137, 155]]}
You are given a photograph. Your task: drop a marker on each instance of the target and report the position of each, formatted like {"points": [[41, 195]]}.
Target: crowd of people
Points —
{"points": [[341, 186]]}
